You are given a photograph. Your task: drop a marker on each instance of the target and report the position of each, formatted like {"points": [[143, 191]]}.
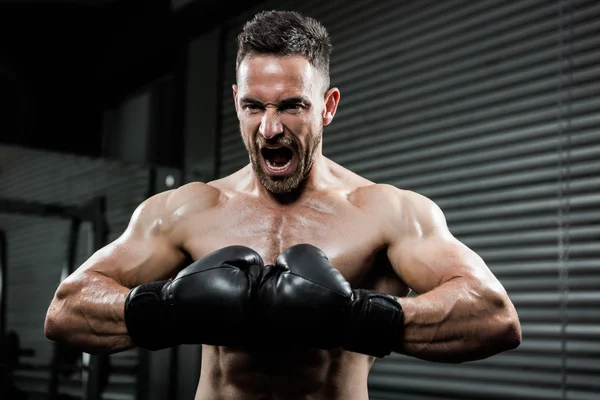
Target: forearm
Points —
{"points": [[87, 313], [458, 322]]}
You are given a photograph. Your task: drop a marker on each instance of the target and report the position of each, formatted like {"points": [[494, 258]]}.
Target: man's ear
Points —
{"points": [[332, 99], [235, 91]]}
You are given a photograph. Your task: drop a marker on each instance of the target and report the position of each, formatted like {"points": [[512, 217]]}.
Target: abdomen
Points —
{"points": [[285, 374]]}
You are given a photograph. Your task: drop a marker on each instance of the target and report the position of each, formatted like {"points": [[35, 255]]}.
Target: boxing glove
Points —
{"points": [[305, 301], [208, 302]]}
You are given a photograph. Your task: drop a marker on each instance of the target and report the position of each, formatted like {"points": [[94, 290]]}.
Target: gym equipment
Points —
{"points": [[10, 346], [10, 352], [94, 369], [3, 272]]}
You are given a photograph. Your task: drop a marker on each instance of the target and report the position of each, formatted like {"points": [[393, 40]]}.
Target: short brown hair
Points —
{"points": [[286, 33]]}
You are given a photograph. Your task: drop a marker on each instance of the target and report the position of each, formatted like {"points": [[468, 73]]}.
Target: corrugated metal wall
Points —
{"points": [[37, 248], [492, 110]]}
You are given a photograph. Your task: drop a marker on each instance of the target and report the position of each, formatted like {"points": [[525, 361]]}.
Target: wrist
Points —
{"points": [[117, 310]]}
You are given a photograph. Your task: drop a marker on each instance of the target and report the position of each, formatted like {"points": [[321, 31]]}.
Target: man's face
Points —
{"points": [[282, 110]]}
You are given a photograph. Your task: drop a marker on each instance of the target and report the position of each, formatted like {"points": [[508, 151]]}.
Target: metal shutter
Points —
{"points": [[580, 191], [491, 109], [37, 249]]}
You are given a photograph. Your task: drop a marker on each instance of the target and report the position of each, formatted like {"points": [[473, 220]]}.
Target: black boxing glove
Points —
{"points": [[305, 301], [208, 302]]}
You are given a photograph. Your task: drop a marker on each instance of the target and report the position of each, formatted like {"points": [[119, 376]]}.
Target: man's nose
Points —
{"points": [[270, 124]]}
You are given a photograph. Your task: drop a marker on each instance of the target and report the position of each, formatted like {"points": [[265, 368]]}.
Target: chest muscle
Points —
{"points": [[345, 233]]}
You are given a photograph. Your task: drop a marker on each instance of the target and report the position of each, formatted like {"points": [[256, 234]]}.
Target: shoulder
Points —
{"points": [[166, 207], [400, 209], [196, 195]]}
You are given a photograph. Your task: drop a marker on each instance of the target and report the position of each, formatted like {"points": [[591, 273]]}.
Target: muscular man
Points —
{"points": [[292, 272]]}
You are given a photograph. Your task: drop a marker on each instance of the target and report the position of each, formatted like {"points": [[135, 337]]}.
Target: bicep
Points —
{"points": [[133, 260], [425, 254], [143, 253], [425, 263]]}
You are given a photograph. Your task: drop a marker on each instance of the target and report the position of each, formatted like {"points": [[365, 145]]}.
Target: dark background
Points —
{"points": [[63, 63]]}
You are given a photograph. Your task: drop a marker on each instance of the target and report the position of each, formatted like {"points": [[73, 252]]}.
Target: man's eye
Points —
{"points": [[292, 107], [253, 107]]}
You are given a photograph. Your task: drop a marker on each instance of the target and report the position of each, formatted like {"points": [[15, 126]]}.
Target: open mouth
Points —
{"points": [[278, 160]]}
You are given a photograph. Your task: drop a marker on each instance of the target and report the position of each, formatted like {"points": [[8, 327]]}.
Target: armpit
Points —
{"points": [[382, 278]]}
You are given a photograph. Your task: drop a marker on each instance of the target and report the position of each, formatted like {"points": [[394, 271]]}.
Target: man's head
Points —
{"points": [[282, 95]]}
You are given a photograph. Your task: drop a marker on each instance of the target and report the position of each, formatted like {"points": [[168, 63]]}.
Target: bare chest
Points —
{"points": [[349, 236]]}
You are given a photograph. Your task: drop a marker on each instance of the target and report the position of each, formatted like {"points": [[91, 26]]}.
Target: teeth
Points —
{"points": [[274, 168]]}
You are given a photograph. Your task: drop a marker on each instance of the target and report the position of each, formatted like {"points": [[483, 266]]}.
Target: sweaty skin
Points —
{"points": [[379, 237]]}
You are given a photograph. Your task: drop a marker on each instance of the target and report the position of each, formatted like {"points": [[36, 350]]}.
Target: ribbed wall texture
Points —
{"points": [[492, 110], [37, 248]]}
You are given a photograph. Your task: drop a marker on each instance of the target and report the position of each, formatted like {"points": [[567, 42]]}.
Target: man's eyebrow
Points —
{"points": [[295, 100], [250, 100], [289, 100]]}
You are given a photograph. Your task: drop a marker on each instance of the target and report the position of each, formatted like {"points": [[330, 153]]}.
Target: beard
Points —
{"points": [[290, 182]]}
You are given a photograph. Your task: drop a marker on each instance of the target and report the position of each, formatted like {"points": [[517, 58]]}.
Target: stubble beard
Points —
{"points": [[288, 183]]}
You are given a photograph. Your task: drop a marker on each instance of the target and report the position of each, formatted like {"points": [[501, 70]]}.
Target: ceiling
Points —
{"points": [[79, 2], [175, 4], [63, 62]]}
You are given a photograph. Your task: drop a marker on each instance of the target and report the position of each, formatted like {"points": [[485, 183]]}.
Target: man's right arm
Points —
{"points": [[87, 311]]}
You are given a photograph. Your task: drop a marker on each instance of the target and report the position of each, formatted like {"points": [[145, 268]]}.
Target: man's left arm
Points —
{"points": [[461, 311]]}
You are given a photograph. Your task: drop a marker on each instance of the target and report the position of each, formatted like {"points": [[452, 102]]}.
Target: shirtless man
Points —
{"points": [[293, 272]]}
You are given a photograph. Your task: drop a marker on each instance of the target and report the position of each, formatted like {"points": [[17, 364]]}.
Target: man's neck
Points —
{"points": [[290, 197]]}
